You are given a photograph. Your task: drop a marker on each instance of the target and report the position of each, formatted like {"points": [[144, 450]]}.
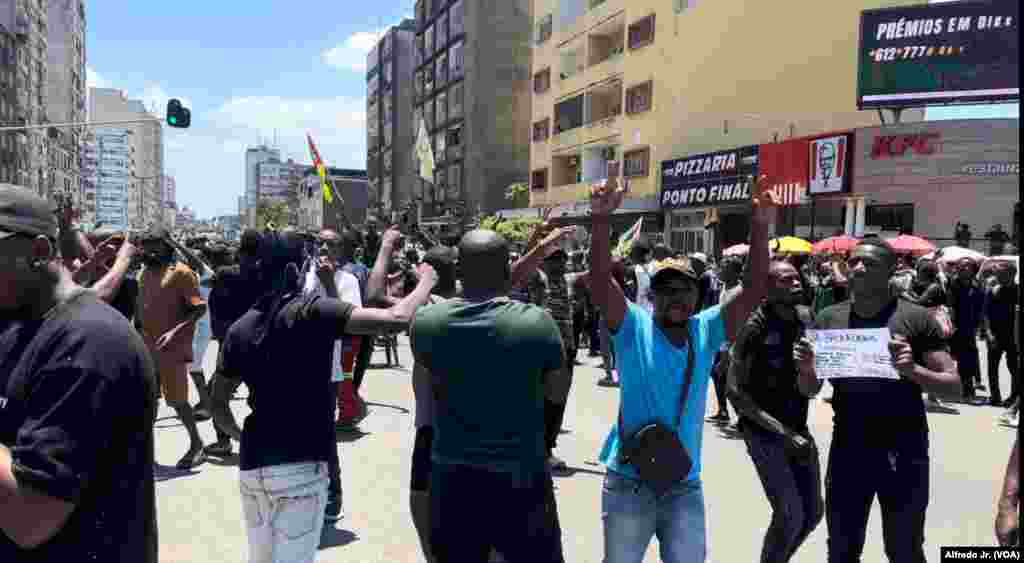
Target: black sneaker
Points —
{"points": [[333, 512]]}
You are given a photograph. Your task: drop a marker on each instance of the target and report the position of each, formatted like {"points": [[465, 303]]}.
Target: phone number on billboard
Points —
{"points": [[913, 52]]}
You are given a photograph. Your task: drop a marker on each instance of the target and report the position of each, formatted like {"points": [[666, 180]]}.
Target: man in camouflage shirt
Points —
{"points": [[552, 290]]}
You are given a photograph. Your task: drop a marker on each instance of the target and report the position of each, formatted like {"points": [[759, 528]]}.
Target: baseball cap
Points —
{"points": [[662, 268], [24, 213]]}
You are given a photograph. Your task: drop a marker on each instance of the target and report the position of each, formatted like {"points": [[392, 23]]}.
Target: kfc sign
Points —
{"points": [[891, 146]]}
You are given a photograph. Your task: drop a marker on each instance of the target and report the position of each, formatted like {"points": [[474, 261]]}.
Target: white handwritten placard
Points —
{"points": [[852, 353]]}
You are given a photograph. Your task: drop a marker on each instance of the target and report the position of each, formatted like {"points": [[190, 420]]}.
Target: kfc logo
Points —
{"points": [[890, 146]]}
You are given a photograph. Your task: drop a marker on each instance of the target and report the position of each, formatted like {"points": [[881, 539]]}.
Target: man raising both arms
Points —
{"points": [[659, 356]]}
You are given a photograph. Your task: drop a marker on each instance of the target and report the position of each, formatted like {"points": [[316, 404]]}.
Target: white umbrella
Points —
{"points": [[1006, 258], [957, 253]]}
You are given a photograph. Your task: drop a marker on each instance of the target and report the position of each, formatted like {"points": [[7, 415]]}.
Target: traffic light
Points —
{"points": [[177, 114]]}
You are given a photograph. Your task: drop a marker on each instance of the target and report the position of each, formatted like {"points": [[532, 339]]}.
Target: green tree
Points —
{"points": [[275, 212], [519, 194], [517, 230]]}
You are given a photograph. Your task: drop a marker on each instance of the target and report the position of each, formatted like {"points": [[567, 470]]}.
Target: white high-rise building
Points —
{"points": [[254, 156], [107, 170]]}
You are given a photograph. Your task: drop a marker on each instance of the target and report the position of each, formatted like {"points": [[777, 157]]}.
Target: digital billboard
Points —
{"points": [[937, 54]]}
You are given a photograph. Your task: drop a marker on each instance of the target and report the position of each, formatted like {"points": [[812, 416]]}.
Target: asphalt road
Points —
{"points": [[200, 516]]}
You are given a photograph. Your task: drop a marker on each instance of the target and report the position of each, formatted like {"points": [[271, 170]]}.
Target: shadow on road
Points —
{"points": [[333, 537], [228, 461], [402, 410], [167, 422], [349, 436], [163, 473]]}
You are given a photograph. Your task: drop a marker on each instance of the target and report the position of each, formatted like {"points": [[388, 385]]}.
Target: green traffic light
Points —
{"points": [[172, 120]]}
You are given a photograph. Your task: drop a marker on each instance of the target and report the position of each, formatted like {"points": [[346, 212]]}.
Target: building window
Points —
{"points": [[387, 75], [568, 114], [455, 181], [439, 146], [541, 130], [542, 81], [387, 134], [639, 98], [637, 163], [891, 218], [456, 25], [428, 114], [454, 142], [428, 42], [428, 79], [544, 27], [441, 74], [641, 32], [385, 110], [385, 163], [421, 13], [441, 107], [417, 84], [539, 180], [441, 31], [456, 61], [455, 101], [421, 51]]}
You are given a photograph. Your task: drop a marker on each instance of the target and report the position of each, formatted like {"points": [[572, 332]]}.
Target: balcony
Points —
{"points": [[607, 41], [608, 129], [566, 139], [568, 120]]}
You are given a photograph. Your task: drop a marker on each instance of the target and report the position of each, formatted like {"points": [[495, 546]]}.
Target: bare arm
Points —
{"points": [[396, 318], [739, 304], [376, 286], [28, 518], [739, 372], [108, 286], [1008, 507], [606, 295]]}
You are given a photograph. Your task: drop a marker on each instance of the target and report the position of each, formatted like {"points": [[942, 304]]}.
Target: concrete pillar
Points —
{"points": [[858, 228], [850, 216]]}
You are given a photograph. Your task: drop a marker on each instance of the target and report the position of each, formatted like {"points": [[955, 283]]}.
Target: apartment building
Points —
{"points": [[145, 187], [170, 192], [108, 166], [254, 156], [643, 82], [24, 27], [472, 91], [389, 127], [66, 94]]}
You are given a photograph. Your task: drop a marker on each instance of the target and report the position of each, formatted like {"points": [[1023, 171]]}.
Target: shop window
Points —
{"points": [[641, 32], [539, 180], [541, 130], [455, 101], [637, 163], [893, 218], [542, 81], [640, 98], [544, 28]]}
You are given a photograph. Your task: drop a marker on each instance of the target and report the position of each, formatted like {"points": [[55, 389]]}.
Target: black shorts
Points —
{"points": [[421, 462]]}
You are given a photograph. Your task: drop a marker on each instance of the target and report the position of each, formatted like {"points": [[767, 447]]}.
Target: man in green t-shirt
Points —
{"points": [[489, 360]]}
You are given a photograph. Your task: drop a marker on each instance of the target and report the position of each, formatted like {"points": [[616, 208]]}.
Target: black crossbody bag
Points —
{"points": [[654, 450]]}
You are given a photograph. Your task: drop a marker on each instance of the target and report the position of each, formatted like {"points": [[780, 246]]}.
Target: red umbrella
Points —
{"points": [[911, 245], [841, 243]]}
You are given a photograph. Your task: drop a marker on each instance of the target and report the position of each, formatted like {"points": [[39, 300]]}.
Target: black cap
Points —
{"points": [[250, 242], [22, 212]]}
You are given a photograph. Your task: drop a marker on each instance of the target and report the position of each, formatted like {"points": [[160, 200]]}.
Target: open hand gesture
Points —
{"points": [[765, 198], [391, 237], [606, 197]]}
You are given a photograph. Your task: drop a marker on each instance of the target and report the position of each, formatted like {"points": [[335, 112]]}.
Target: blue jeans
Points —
{"points": [[284, 511], [632, 515]]}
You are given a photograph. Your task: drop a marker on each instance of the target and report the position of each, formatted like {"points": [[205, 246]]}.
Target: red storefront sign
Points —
{"points": [[787, 164], [889, 146]]}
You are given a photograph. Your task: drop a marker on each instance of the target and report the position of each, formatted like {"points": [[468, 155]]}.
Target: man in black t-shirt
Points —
{"points": [[286, 440], [880, 440], [76, 407], [771, 395]]}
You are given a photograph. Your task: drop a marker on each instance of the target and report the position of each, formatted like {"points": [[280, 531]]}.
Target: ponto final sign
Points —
{"points": [[708, 179]]}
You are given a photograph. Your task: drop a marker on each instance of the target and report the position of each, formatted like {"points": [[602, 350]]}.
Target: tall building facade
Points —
{"points": [[471, 88], [254, 156], [389, 127], [66, 94], [24, 25], [170, 192], [108, 165], [642, 82], [146, 184]]}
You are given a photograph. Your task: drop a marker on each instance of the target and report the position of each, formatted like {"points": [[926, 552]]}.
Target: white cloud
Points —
{"points": [[155, 99], [94, 80], [351, 54]]}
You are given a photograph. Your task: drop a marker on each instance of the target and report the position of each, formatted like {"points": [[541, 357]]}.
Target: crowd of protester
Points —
{"points": [[97, 327]]}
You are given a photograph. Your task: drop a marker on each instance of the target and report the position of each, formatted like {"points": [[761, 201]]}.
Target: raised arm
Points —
{"points": [[738, 305], [108, 286], [604, 200], [376, 286], [528, 264], [365, 320]]}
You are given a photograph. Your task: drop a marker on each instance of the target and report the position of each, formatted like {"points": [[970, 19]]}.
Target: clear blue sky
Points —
{"points": [[248, 69]]}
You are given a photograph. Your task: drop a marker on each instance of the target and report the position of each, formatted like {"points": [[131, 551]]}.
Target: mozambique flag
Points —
{"points": [[628, 238], [321, 170]]}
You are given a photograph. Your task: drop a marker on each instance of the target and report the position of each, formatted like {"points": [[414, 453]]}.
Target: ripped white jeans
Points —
{"points": [[284, 511]]}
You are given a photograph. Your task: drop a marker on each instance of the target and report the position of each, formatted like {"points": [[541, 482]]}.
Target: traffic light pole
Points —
{"points": [[5, 129]]}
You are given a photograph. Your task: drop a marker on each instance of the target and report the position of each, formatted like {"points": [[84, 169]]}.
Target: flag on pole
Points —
{"points": [[321, 170], [628, 239], [424, 153]]}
